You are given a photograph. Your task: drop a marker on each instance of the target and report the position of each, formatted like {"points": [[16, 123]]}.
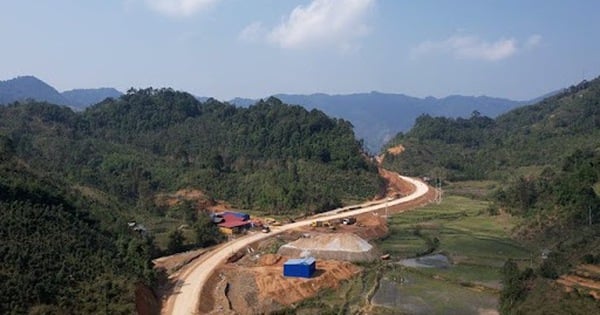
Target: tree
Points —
{"points": [[207, 233], [176, 240], [512, 286]]}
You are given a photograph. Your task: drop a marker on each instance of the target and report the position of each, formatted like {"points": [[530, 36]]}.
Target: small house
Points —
{"points": [[233, 224], [303, 267]]}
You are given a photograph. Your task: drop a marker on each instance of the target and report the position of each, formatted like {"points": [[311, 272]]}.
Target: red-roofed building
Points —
{"points": [[233, 224]]}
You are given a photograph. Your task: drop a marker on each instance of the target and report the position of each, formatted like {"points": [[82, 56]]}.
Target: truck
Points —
{"points": [[349, 220]]}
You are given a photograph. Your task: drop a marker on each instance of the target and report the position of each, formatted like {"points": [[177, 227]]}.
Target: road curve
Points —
{"points": [[184, 299]]}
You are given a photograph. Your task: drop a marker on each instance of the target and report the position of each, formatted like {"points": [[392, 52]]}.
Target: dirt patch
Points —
{"points": [[175, 262], [396, 150], [269, 259], [199, 199], [368, 226], [264, 289], [395, 187], [214, 297], [584, 278]]}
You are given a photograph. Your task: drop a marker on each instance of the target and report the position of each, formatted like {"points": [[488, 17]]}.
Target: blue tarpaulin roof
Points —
{"points": [[301, 261]]}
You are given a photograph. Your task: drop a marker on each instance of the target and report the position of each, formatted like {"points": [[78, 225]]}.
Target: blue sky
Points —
{"points": [[255, 48]]}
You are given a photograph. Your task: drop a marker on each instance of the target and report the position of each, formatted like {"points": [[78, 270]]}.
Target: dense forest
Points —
{"points": [[546, 159], [56, 256], [70, 182], [270, 156], [481, 147]]}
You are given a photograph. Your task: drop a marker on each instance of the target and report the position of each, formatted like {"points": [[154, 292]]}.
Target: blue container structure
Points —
{"points": [[303, 268]]}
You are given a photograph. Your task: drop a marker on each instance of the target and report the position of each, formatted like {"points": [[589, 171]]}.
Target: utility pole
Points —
{"points": [[590, 214], [387, 200], [438, 191]]}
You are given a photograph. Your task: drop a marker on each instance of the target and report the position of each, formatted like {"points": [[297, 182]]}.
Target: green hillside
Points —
{"points": [[546, 161], [270, 157], [56, 256], [70, 182], [533, 136]]}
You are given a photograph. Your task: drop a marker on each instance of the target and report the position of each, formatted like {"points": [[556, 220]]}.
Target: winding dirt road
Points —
{"points": [[185, 296]]}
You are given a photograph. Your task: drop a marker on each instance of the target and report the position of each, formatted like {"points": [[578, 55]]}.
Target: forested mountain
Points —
{"points": [[546, 158], [82, 98], [69, 182], [377, 117], [269, 156], [57, 257], [481, 147], [29, 87]]}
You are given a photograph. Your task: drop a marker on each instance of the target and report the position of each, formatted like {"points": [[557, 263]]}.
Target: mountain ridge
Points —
{"points": [[376, 116], [82, 98], [29, 87]]}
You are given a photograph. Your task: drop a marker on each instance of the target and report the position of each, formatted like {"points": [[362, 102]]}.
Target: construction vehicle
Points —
{"points": [[349, 220], [269, 220], [326, 224]]}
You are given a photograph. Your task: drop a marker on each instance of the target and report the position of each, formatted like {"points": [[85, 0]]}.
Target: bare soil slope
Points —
{"points": [[263, 288], [585, 279]]}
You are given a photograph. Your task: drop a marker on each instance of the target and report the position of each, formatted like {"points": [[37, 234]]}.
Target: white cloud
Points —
{"points": [[469, 47], [179, 8], [253, 32], [533, 41], [323, 22]]}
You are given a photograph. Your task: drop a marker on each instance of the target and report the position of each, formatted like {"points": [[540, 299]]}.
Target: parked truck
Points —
{"points": [[349, 220]]}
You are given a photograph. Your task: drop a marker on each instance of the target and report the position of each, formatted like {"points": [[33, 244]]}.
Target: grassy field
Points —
{"points": [[476, 243]]}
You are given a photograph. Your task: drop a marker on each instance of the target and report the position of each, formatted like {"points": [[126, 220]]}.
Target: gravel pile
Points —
{"points": [[336, 246]]}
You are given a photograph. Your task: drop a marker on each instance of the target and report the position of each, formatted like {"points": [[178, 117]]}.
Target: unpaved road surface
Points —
{"points": [[184, 299]]}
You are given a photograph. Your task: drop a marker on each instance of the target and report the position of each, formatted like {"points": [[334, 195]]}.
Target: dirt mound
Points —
{"points": [[338, 246], [269, 259]]}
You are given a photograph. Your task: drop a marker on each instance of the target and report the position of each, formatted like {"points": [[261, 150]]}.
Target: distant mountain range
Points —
{"points": [[29, 87], [82, 98], [376, 117]]}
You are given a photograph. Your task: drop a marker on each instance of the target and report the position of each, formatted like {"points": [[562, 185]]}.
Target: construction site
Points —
{"points": [[252, 279]]}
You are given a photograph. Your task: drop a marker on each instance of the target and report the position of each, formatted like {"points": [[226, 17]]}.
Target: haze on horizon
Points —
{"points": [[228, 48]]}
